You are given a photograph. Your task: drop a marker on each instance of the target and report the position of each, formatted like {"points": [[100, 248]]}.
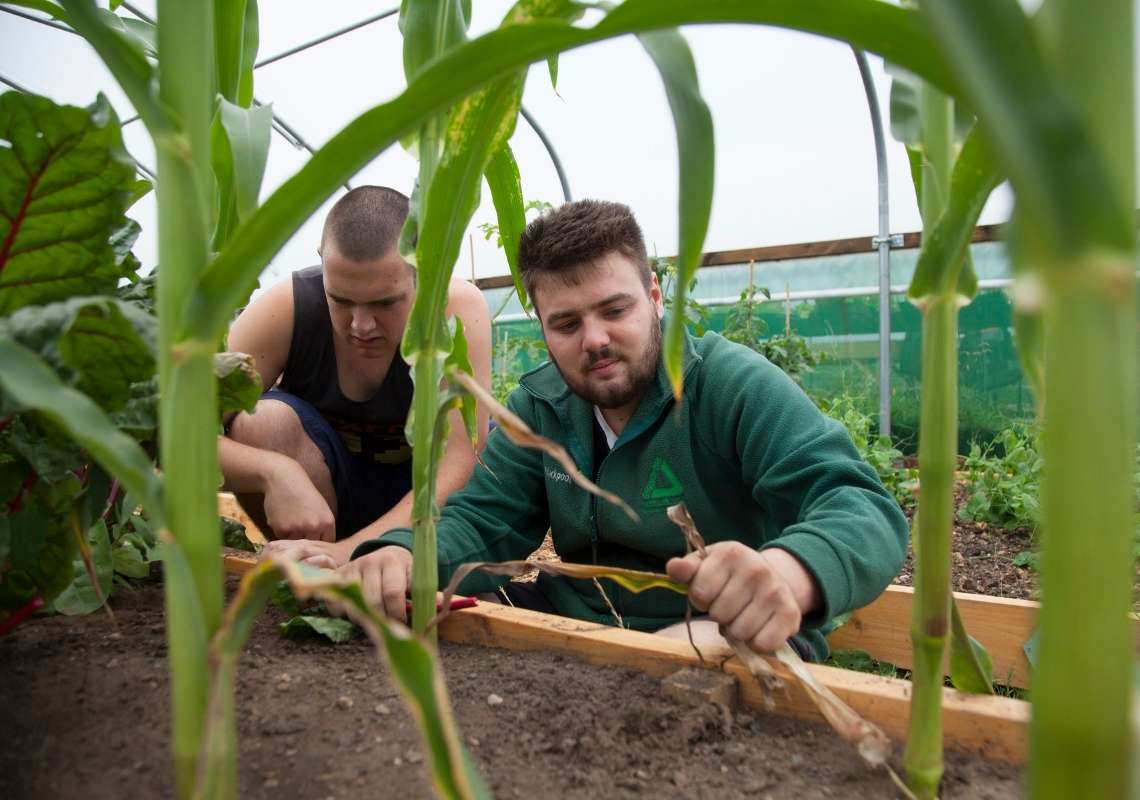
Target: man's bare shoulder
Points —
{"points": [[264, 329], [463, 293]]}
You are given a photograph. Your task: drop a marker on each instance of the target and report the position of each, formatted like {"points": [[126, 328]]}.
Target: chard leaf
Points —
{"points": [[37, 546], [65, 181], [32, 384], [99, 345], [82, 596], [335, 630], [239, 384]]}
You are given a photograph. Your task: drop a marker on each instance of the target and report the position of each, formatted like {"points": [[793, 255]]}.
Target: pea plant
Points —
{"points": [[1053, 100]]}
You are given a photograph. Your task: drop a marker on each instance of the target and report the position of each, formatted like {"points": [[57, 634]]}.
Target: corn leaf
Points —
{"points": [[878, 27], [459, 359], [66, 183], [239, 146], [45, 6], [123, 55], [942, 264], [32, 384], [229, 47], [335, 630], [515, 429], [1063, 186], [971, 667], [695, 148], [430, 29], [506, 190]]}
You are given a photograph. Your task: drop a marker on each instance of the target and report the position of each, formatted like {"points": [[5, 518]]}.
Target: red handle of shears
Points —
{"points": [[456, 604]]}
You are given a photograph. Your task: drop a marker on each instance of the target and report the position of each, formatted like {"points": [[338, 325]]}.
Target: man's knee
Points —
{"points": [[273, 425]]}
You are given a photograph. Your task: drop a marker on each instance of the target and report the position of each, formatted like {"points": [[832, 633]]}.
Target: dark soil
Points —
{"points": [[982, 557], [86, 715]]}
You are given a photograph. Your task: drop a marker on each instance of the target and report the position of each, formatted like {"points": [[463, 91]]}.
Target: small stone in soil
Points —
{"points": [[382, 709], [494, 700], [344, 701], [413, 757]]}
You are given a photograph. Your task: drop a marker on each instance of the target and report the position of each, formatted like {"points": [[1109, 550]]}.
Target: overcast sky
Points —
{"points": [[794, 149]]}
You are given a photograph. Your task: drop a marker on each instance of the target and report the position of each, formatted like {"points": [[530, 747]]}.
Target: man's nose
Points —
{"points": [[362, 320], [595, 336]]}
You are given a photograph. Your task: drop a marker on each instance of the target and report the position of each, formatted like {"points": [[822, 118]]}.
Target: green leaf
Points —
{"points": [[1029, 339], [430, 28], [130, 556], [942, 263], [1063, 187], [142, 34], [124, 57], [239, 383], [416, 671], [971, 667], [33, 384], [335, 630], [37, 546], [251, 40], [506, 191], [479, 126], [46, 6], [81, 596], [139, 417], [229, 42], [99, 345], [695, 148], [905, 124], [239, 146], [65, 181], [459, 359], [874, 26], [48, 450]]}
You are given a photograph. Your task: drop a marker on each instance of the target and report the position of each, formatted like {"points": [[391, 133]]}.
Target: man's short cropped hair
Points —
{"points": [[577, 234], [365, 224]]}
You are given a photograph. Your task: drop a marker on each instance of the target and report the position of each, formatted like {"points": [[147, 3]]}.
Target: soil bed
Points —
{"points": [[86, 715]]}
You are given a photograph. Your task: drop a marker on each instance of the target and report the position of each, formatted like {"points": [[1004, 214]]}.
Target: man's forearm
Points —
{"points": [[248, 469]]}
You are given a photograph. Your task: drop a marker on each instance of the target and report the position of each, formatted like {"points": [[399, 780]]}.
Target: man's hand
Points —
{"points": [[328, 555], [757, 598], [294, 508], [384, 575]]}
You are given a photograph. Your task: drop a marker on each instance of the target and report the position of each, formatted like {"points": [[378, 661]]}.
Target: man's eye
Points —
{"points": [[614, 313], [565, 327]]}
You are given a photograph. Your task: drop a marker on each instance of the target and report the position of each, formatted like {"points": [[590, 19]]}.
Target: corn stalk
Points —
{"points": [[1055, 98]]}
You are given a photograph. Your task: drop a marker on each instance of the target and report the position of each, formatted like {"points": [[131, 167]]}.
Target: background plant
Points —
{"points": [[1004, 480]]}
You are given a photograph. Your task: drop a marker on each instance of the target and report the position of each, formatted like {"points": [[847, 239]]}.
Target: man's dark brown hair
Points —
{"points": [[365, 224], [559, 242]]}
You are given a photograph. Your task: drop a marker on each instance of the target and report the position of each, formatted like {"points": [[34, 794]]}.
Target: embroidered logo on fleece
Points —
{"points": [[662, 489]]}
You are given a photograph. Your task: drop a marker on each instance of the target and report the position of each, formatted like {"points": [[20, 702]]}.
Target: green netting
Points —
{"points": [[992, 389]]}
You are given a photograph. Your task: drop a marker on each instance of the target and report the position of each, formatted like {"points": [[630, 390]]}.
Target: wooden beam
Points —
{"points": [[228, 506], [993, 727], [784, 252], [1002, 625]]}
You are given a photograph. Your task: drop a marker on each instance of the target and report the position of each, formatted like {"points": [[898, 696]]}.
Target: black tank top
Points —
{"points": [[372, 429]]}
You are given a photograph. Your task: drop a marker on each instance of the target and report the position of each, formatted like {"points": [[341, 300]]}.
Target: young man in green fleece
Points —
{"points": [[799, 528]]}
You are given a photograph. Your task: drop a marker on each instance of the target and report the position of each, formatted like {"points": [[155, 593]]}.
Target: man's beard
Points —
{"points": [[615, 394]]}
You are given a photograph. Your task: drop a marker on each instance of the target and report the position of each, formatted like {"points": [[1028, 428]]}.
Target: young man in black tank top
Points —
{"points": [[323, 464]]}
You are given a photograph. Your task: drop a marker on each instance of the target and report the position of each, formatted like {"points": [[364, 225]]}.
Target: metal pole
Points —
{"points": [[883, 241], [553, 155], [326, 37]]}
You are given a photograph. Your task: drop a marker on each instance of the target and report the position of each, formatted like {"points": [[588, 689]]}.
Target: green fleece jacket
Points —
{"points": [[753, 459]]}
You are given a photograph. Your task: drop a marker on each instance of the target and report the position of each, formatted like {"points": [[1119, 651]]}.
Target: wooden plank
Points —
{"points": [[993, 727], [1001, 624], [237, 562]]}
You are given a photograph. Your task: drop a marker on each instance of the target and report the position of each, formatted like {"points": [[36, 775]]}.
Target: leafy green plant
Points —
{"points": [[1004, 480], [695, 313], [787, 350], [508, 360], [878, 451]]}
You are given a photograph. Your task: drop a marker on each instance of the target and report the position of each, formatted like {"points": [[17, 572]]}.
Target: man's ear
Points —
{"points": [[656, 296]]}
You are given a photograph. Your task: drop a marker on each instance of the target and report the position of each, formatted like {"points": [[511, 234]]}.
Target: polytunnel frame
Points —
{"points": [[883, 241]]}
